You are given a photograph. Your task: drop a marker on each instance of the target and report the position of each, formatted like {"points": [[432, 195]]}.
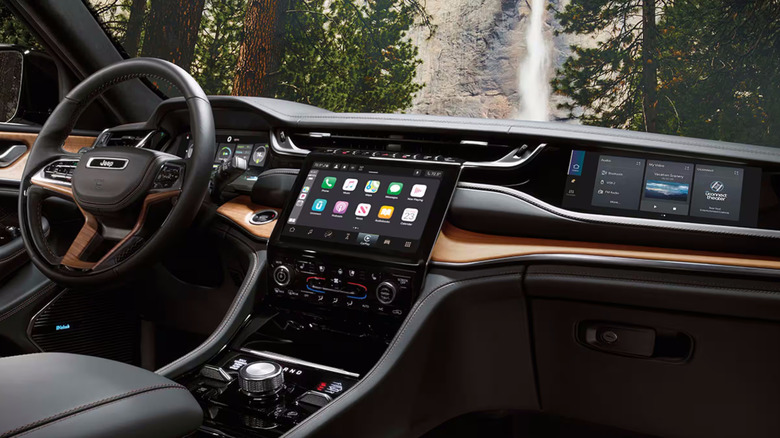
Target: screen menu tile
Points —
{"points": [[616, 182], [717, 192], [667, 187]]}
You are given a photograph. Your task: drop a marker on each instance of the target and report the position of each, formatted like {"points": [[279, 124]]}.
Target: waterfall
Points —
{"points": [[534, 70]]}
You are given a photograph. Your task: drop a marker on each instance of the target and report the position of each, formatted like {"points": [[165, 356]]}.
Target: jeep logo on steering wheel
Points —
{"points": [[107, 163]]}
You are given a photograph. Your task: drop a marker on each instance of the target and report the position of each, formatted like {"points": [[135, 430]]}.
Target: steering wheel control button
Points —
{"points": [[262, 217], [282, 275], [260, 379], [386, 292], [167, 177]]}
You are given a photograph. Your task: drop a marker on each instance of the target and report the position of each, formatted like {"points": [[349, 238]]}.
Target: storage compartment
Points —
{"points": [[729, 385]]}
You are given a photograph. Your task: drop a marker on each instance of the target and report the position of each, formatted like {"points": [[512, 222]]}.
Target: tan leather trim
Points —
{"points": [[14, 172], [238, 211], [460, 246]]}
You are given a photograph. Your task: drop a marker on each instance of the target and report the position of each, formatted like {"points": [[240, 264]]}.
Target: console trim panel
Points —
{"points": [[290, 359]]}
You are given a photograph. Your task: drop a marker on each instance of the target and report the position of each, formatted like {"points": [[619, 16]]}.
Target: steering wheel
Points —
{"points": [[120, 190]]}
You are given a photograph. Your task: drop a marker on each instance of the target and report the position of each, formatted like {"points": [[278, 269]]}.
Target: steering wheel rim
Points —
{"points": [[193, 184]]}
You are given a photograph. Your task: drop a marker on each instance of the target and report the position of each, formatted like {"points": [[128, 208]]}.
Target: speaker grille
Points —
{"points": [[95, 323]]}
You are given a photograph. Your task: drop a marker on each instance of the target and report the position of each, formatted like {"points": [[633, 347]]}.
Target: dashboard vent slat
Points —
{"points": [[471, 149]]}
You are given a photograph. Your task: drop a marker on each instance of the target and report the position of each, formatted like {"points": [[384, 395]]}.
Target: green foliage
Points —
{"points": [[13, 31], [718, 67], [216, 51], [344, 55], [349, 57], [604, 81], [722, 70]]}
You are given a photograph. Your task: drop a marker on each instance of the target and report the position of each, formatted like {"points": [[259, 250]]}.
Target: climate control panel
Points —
{"points": [[341, 283]]}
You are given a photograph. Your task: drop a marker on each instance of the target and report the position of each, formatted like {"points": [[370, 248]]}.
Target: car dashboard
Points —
{"points": [[383, 233]]}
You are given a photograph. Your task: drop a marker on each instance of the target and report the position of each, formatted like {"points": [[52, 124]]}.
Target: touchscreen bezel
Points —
{"points": [[448, 182]]}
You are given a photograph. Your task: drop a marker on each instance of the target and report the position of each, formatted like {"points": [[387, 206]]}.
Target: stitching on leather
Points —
{"points": [[95, 407], [248, 286], [12, 256], [666, 283], [70, 413], [396, 342], [82, 104], [43, 291], [544, 206]]}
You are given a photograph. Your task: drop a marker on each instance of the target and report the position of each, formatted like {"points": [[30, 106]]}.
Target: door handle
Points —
{"points": [[635, 341], [11, 154]]}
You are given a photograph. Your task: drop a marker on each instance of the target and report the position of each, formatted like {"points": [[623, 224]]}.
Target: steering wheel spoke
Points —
{"points": [[93, 235]]}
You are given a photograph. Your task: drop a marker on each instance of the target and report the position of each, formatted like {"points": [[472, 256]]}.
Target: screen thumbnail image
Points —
{"points": [[667, 190]]}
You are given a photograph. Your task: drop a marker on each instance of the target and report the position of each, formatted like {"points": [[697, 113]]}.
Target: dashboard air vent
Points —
{"points": [[468, 149]]}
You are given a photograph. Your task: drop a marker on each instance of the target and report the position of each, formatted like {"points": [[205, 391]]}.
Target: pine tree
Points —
{"points": [[350, 57], [135, 20], [172, 30], [216, 52], [260, 53], [721, 70], [615, 83]]}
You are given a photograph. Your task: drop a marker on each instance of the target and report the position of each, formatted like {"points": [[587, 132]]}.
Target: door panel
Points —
{"points": [[13, 172], [23, 289]]}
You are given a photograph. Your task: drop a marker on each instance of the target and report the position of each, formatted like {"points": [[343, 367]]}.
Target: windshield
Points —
{"points": [[698, 68]]}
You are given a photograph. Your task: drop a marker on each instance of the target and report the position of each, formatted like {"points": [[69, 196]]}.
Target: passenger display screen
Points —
{"points": [[370, 204], [662, 189]]}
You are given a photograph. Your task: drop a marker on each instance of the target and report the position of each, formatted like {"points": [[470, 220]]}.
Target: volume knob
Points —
{"points": [[261, 378]]}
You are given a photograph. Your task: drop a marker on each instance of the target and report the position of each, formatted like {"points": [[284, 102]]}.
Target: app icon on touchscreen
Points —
{"points": [[319, 205], [362, 210], [372, 186], [395, 188], [341, 207], [349, 185]]}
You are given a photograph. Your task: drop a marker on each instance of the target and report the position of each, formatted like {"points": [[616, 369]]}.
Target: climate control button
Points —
{"points": [[386, 292], [282, 275]]}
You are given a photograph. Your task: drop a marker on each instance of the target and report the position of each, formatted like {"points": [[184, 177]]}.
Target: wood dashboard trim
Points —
{"points": [[238, 211], [14, 172], [456, 245]]}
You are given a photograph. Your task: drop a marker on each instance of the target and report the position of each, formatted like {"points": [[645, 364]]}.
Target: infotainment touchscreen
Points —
{"points": [[684, 190], [370, 205]]}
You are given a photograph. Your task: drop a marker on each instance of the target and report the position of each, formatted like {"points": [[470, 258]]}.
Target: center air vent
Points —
{"points": [[476, 151]]}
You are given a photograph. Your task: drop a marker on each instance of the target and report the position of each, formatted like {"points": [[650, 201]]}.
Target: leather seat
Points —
{"points": [[66, 395]]}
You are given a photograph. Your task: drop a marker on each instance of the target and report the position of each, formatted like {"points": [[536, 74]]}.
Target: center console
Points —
{"points": [[357, 236], [346, 261]]}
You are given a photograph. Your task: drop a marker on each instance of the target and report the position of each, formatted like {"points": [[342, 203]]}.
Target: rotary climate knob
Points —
{"points": [[282, 275], [261, 378], [386, 291]]}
